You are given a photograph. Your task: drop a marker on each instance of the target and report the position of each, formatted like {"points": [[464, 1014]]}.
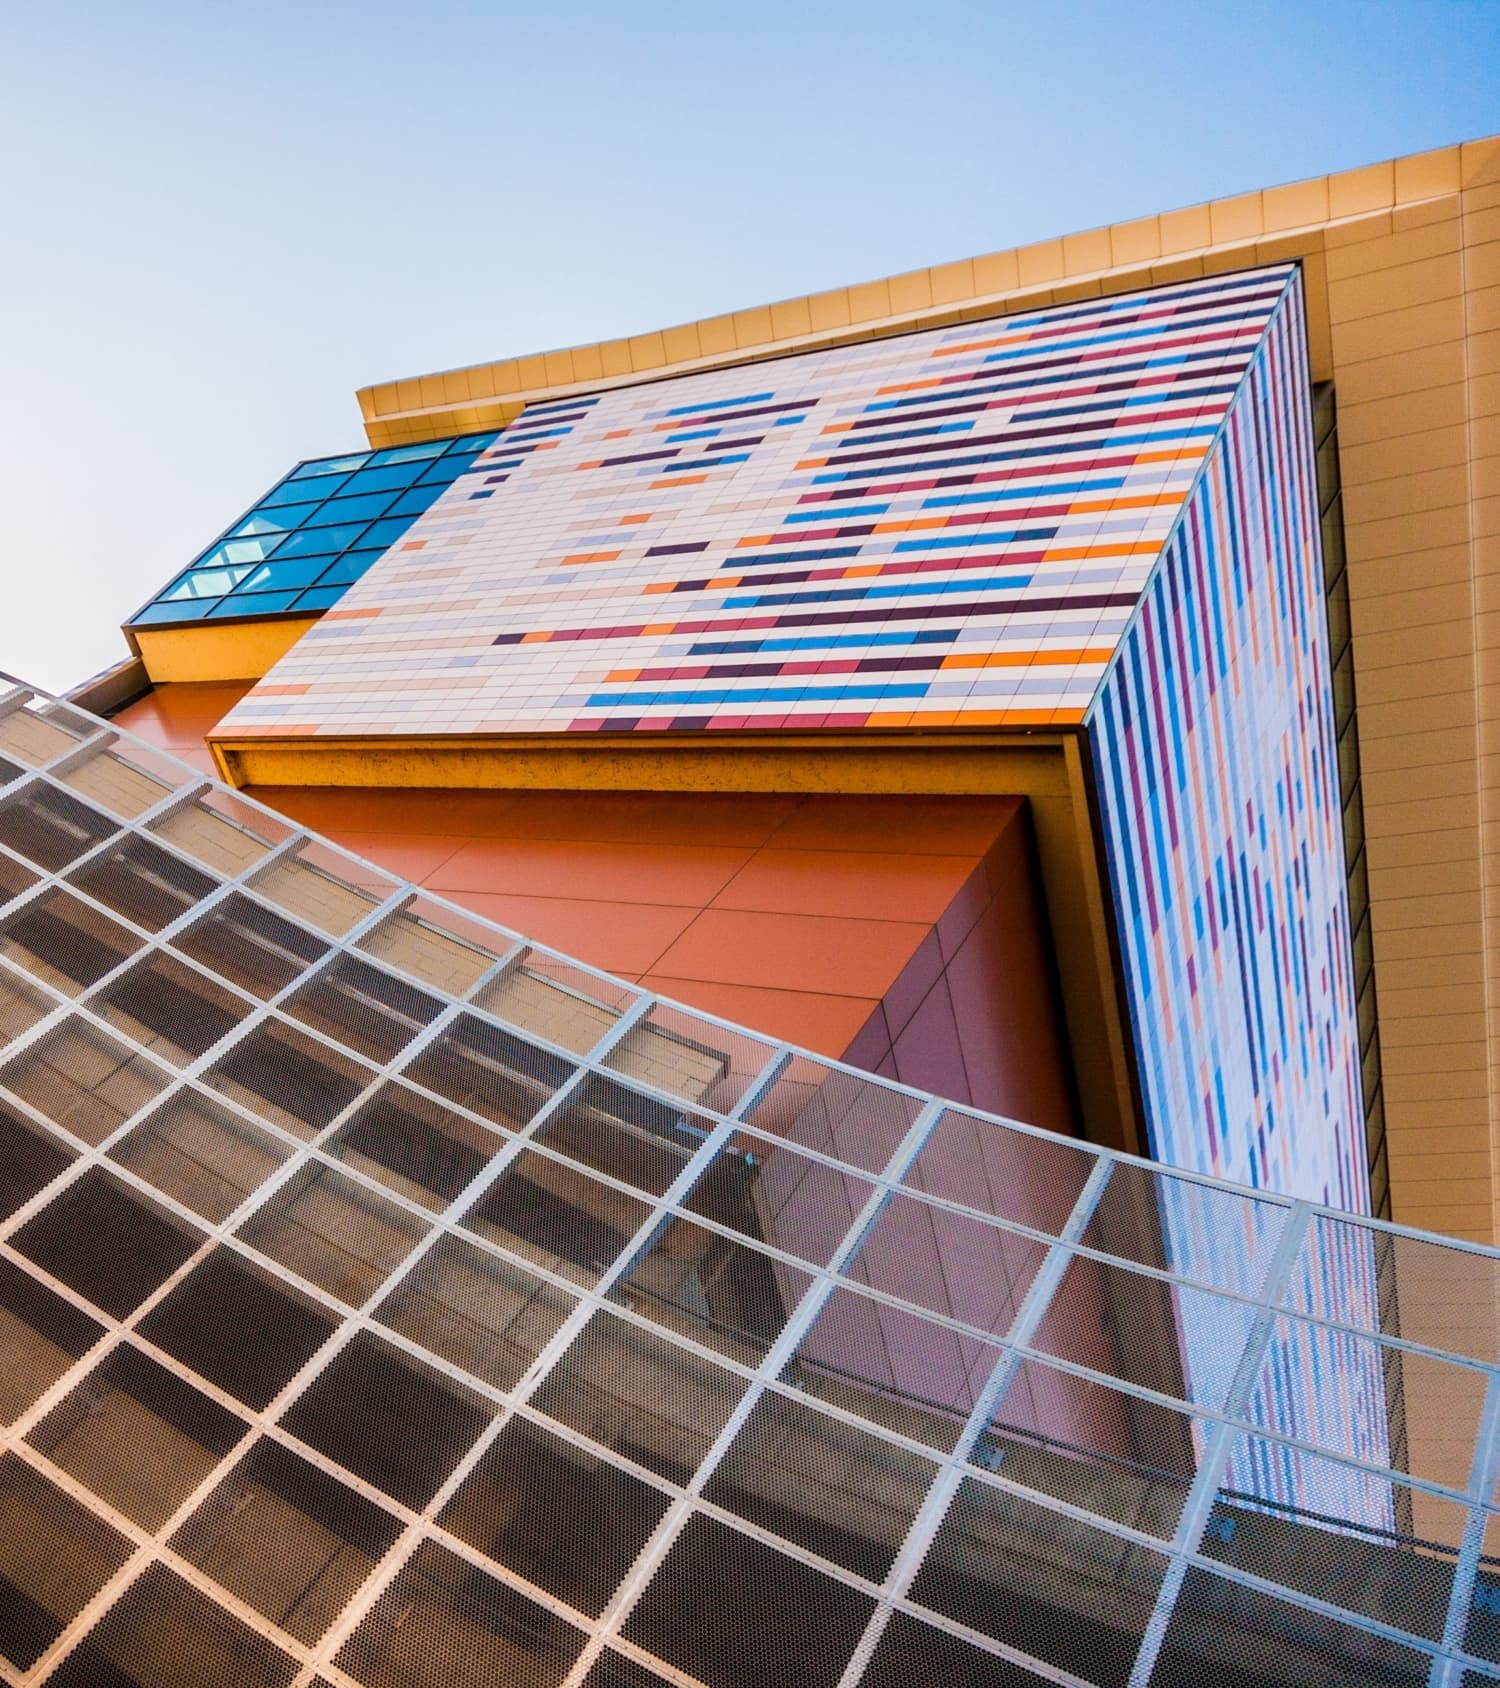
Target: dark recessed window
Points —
{"points": [[557, 1216], [30, 1158], [242, 941], [287, 1539], [171, 1008], [911, 1652], [557, 1515], [443, 1622], [770, 1612], [638, 1139], [107, 1241], [1061, 1590], [371, 1012], [137, 1435], [50, 828], [395, 1423], [65, 943], [492, 1073], [416, 1146], [163, 1621], [239, 1327], [41, 1335], [55, 1556], [143, 882], [290, 1079]]}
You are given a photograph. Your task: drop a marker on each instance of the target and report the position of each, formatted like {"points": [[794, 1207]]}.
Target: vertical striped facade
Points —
{"points": [[1212, 738], [1213, 745]]}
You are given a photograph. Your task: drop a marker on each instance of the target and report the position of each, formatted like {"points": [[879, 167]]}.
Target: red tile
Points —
{"points": [[871, 1043], [682, 875], [861, 883], [906, 992], [960, 916], [823, 1024], [928, 1053], [1009, 1019], [618, 937], [948, 826], [804, 951]]}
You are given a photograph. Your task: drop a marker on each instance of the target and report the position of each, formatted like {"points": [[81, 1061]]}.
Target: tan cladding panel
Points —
{"points": [[1287, 221], [1402, 307]]}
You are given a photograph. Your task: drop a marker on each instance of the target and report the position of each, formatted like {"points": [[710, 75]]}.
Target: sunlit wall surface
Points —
{"points": [[1218, 785], [387, 1302], [313, 535]]}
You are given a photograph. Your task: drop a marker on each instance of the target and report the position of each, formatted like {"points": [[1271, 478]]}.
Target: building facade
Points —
{"points": [[747, 961]]}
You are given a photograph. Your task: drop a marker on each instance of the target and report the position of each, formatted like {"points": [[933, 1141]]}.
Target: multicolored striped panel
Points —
{"points": [[943, 529], [1217, 778]]}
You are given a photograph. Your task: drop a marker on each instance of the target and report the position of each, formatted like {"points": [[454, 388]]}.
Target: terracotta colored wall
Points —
{"points": [[884, 926], [908, 933], [973, 1015]]}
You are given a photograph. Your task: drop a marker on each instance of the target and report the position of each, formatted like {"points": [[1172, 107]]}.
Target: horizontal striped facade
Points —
{"points": [[948, 528]]}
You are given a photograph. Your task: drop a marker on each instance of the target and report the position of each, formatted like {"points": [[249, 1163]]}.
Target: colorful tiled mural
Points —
{"points": [[1217, 782], [937, 529]]}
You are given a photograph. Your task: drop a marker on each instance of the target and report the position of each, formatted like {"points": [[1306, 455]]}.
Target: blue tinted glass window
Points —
{"points": [[260, 603], [192, 611], [208, 583], [362, 509], [450, 468], [317, 541], [413, 503], [408, 453], [289, 492], [321, 597], [279, 520], [329, 466], [386, 532], [392, 477], [277, 577], [254, 549], [324, 507], [349, 568]]}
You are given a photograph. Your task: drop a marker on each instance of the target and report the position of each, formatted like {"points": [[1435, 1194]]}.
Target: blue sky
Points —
{"points": [[218, 220]]}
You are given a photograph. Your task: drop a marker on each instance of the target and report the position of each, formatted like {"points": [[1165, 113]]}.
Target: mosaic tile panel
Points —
{"points": [[937, 529]]}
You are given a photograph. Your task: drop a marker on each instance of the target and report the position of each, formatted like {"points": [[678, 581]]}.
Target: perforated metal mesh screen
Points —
{"points": [[387, 1301]]}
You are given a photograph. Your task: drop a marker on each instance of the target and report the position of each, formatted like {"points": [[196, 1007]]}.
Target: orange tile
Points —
{"points": [[802, 951], [413, 858], [963, 826], [847, 882], [625, 938], [180, 714], [825, 1024], [682, 875]]}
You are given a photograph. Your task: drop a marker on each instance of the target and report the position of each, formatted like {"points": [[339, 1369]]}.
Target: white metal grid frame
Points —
{"points": [[1219, 1416]]}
